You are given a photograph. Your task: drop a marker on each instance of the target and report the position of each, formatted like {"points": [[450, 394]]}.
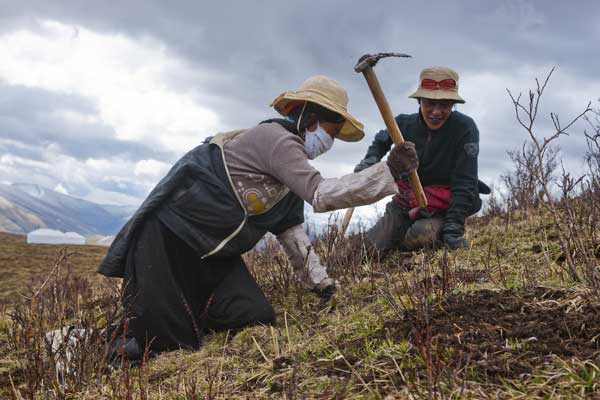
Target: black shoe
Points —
{"points": [[126, 352]]}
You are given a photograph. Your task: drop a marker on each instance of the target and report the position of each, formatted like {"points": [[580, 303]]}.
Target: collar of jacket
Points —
{"points": [[286, 124]]}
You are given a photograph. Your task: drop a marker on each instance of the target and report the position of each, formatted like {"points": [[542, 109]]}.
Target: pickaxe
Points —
{"points": [[365, 65]]}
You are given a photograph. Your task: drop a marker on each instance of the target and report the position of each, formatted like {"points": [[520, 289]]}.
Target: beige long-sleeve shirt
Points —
{"points": [[267, 161]]}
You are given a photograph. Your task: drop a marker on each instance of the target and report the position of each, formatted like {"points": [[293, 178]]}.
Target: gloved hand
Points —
{"points": [[452, 236], [402, 160], [326, 288]]}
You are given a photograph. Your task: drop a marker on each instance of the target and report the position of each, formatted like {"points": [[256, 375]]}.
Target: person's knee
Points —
{"points": [[265, 314], [240, 313], [388, 232], [256, 314], [379, 240], [422, 233]]}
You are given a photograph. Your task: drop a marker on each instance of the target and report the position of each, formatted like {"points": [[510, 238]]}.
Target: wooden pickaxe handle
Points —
{"points": [[393, 129], [346, 222], [365, 66]]}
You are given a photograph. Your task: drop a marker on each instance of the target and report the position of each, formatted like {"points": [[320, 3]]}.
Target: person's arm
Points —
{"points": [[356, 189], [379, 147], [463, 186], [369, 185], [288, 163], [305, 261]]}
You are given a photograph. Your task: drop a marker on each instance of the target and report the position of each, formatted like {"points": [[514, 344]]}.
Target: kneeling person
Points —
{"points": [[180, 254]]}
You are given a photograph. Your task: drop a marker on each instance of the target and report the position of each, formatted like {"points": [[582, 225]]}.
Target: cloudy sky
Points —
{"points": [[98, 99]]}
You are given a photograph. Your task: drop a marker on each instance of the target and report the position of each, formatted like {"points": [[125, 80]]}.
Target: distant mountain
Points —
{"points": [[123, 212], [25, 207]]}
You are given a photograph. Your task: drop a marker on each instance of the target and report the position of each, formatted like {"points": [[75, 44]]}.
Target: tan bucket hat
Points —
{"points": [[438, 83], [327, 93]]}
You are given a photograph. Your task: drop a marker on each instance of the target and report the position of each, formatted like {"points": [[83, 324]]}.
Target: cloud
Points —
{"points": [[80, 111], [61, 189], [566, 95], [33, 118], [121, 92], [124, 77], [152, 170], [93, 179]]}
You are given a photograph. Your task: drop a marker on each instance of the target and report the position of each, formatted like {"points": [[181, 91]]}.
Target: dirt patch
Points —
{"points": [[465, 275], [508, 333]]}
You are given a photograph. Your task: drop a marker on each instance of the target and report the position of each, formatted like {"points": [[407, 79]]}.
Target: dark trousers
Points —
{"points": [[172, 296], [395, 230]]}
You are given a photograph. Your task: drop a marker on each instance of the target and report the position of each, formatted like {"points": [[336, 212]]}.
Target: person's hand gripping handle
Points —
{"points": [[365, 66]]}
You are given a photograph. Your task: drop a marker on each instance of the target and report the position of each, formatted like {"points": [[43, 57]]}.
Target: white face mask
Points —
{"points": [[317, 142]]}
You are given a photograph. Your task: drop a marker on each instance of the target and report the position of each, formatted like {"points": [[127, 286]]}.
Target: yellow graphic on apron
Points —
{"points": [[254, 202]]}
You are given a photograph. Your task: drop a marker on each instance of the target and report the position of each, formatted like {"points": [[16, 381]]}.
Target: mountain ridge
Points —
{"points": [[25, 207]]}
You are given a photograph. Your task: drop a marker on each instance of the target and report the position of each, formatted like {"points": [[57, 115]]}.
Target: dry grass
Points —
{"points": [[516, 315], [22, 264], [499, 320]]}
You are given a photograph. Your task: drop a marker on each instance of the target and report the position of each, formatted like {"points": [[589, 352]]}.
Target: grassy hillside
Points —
{"points": [[23, 264], [502, 319]]}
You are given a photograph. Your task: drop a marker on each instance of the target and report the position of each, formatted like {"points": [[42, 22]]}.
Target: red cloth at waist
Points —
{"points": [[438, 196]]}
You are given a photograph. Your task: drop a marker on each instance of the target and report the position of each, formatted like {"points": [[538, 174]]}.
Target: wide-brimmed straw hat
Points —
{"points": [[327, 93], [438, 83]]}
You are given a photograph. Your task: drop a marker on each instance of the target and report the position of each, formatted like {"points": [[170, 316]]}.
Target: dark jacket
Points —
{"points": [[196, 201], [447, 156]]}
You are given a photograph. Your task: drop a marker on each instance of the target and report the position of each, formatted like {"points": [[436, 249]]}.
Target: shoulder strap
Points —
{"points": [[223, 137]]}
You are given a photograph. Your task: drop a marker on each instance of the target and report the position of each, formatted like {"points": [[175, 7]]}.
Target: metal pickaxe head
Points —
{"points": [[369, 60]]}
